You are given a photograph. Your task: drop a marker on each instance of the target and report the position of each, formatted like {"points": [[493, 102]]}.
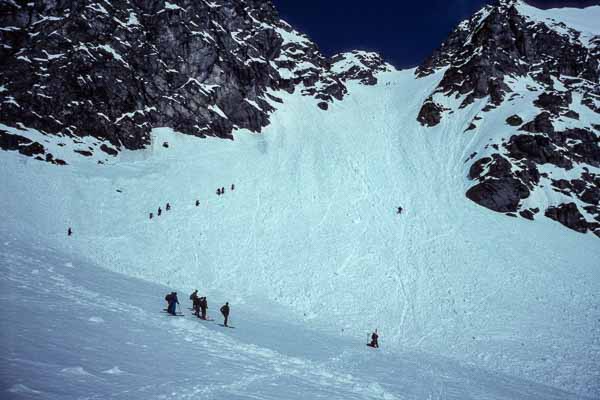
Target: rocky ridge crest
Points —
{"points": [[113, 70], [504, 54]]}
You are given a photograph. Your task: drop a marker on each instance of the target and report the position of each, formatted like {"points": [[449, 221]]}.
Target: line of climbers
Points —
{"points": [[220, 191], [159, 212], [199, 306]]}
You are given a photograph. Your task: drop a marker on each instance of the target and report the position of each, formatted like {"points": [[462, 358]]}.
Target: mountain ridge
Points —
{"points": [[115, 71]]}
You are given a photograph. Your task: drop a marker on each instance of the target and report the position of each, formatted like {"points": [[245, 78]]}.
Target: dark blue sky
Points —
{"points": [[404, 32]]}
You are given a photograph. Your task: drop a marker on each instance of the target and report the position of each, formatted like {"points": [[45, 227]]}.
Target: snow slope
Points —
{"points": [[72, 330], [311, 227], [583, 20]]}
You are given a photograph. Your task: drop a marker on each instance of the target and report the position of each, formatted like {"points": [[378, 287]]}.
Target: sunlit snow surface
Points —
{"points": [[311, 254], [74, 331]]}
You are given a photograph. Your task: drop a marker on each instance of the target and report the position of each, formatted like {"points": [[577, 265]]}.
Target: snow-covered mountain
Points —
{"points": [[539, 69], [114, 70], [111, 109]]}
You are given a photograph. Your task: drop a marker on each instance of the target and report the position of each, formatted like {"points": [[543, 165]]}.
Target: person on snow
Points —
{"points": [[399, 210], [203, 307], [168, 206], [197, 203], [173, 301], [225, 312], [69, 232], [232, 187], [151, 215], [195, 302], [218, 192], [168, 299], [159, 211], [222, 190], [374, 340]]}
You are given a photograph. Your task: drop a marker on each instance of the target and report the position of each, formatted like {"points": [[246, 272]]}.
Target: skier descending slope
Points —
{"points": [[225, 312], [374, 340]]}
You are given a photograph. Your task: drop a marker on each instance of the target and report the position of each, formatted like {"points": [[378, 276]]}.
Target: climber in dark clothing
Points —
{"points": [[225, 312], [219, 192], [232, 187], [151, 215], [399, 210], [203, 307], [374, 337], [196, 306], [168, 206], [197, 203], [173, 301], [195, 302], [222, 190], [159, 211], [69, 232]]}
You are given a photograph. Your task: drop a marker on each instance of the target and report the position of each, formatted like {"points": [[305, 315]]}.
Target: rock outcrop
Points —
{"points": [[492, 56], [114, 70]]}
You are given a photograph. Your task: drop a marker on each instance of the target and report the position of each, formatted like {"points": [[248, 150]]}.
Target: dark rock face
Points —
{"points": [[537, 148], [430, 113], [84, 153], [569, 215], [116, 70], [554, 102], [504, 181], [108, 150], [542, 123], [27, 147], [514, 120], [502, 195], [498, 189], [359, 65], [12, 142], [498, 41]]}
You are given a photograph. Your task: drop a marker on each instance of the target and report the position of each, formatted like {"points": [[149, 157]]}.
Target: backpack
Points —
{"points": [[169, 297]]}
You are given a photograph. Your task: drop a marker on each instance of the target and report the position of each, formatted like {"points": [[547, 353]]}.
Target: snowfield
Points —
{"points": [[311, 254], [72, 330]]}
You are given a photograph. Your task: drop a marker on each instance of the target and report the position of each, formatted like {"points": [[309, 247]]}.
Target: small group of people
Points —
{"points": [[221, 190], [199, 306], [159, 212]]}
